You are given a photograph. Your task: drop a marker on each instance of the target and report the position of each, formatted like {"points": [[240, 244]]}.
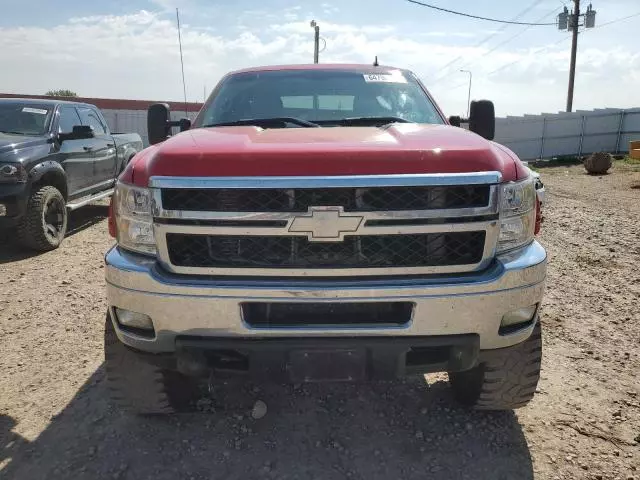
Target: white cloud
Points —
{"points": [[328, 28], [136, 56]]}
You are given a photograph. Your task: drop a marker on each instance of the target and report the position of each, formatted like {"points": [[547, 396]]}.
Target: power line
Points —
{"points": [[477, 17], [617, 20], [546, 48], [184, 85], [540, 50], [517, 34], [534, 4], [489, 37]]}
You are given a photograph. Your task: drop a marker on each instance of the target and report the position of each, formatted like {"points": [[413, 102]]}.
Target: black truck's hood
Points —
{"points": [[12, 147]]}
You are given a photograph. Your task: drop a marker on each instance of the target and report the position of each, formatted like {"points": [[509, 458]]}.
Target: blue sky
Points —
{"points": [[128, 49]]}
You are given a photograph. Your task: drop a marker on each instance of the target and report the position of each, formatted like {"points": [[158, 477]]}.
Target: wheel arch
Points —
{"points": [[49, 173]]}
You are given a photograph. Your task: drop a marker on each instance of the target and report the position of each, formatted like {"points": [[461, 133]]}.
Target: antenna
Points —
{"points": [[375, 62], [184, 86]]}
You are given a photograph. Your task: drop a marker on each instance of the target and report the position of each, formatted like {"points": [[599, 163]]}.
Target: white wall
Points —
{"points": [[577, 133], [530, 136], [135, 121]]}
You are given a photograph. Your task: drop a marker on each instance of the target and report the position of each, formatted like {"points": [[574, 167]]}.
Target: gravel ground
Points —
{"points": [[56, 420]]}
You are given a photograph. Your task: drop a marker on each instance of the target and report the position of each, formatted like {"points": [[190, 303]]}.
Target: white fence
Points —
{"points": [[577, 133], [135, 121], [530, 137]]}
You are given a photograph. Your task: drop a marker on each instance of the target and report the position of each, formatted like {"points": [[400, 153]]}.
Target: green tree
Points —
{"points": [[61, 93]]}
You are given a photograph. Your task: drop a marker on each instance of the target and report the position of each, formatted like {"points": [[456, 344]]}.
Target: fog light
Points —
{"points": [[3, 210], [131, 319], [521, 315]]}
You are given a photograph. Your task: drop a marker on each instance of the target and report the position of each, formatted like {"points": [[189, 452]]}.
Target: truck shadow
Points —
{"points": [[10, 442], [407, 430], [85, 217], [79, 220]]}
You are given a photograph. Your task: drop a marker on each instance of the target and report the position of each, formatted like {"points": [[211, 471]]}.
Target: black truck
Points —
{"points": [[55, 156]]}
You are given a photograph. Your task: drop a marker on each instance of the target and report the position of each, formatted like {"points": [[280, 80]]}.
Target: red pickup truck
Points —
{"points": [[323, 223]]}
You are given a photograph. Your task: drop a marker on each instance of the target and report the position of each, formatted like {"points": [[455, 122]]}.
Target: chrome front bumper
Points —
{"points": [[211, 308]]}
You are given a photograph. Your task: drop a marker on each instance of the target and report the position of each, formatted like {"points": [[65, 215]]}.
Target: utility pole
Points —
{"points": [[469, 95], [571, 22], [574, 50], [316, 41]]}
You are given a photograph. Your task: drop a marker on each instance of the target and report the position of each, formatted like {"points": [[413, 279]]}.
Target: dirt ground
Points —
{"points": [[56, 420]]}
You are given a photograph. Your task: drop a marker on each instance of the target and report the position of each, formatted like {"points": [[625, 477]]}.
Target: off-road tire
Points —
{"points": [[140, 387], [32, 230], [505, 379]]}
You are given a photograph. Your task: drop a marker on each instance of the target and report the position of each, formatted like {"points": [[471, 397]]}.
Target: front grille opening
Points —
{"points": [[368, 251], [418, 356], [300, 199], [227, 360], [274, 315]]}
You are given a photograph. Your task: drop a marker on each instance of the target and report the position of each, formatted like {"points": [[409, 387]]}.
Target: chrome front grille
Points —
{"points": [[326, 226]]}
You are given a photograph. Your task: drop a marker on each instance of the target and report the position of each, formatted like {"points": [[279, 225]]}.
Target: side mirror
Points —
{"points": [[78, 132], [455, 121], [482, 119], [158, 123]]}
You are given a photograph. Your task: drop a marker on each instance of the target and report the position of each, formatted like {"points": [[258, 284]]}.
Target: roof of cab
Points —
{"points": [[40, 101], [354, 67]]}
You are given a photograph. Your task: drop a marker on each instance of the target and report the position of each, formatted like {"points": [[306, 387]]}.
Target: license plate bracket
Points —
{"points": [[318, 365]]}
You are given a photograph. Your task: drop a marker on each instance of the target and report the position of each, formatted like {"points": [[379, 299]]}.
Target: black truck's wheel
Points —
{"points": [[44, 225], [505, 379], [139, 387]]}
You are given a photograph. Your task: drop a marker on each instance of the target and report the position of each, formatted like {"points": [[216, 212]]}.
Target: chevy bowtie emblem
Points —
{"points": [[325, 224]]}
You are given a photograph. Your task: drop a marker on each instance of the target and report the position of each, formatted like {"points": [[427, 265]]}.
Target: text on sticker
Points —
{"points": [[39, 111], [384, 78]]}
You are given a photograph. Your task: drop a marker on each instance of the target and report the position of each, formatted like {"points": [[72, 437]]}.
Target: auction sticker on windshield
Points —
{"points": [[384, 78], [39, 111]]}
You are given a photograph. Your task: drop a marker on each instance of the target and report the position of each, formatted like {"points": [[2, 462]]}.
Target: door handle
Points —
{"points": [[111, 145], [87, 149]]}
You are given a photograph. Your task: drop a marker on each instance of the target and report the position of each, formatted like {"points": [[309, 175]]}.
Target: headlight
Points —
{"points": [[12, 173], [517, 214], [134, 220]]}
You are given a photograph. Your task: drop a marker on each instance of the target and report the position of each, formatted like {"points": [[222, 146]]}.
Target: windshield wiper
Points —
{"points": [[10, 132], [275, 122], [364, 121]]}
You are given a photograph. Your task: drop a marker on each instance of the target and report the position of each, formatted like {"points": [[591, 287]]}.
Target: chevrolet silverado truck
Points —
{"points": [[323, 223], [55, 156]]}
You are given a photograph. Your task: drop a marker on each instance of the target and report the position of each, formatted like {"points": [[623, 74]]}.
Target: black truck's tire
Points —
{"points": [[139, 387], [45, 223], [505, 379]]}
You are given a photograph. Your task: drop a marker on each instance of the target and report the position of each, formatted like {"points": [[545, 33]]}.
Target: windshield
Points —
{"points": [[323, 96], [24, 118]]}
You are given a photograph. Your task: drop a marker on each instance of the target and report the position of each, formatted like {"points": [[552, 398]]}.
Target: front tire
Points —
{"points": [[44, 225], [139, 387], [505, 379]]}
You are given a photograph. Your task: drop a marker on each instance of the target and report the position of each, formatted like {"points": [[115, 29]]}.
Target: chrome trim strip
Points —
{"points": [[409, 180], [318, 272], [161, 229], [491, 209]]}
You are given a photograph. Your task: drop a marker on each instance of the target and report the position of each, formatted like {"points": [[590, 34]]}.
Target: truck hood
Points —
{"points": [[12, 144], [253, 151]]}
